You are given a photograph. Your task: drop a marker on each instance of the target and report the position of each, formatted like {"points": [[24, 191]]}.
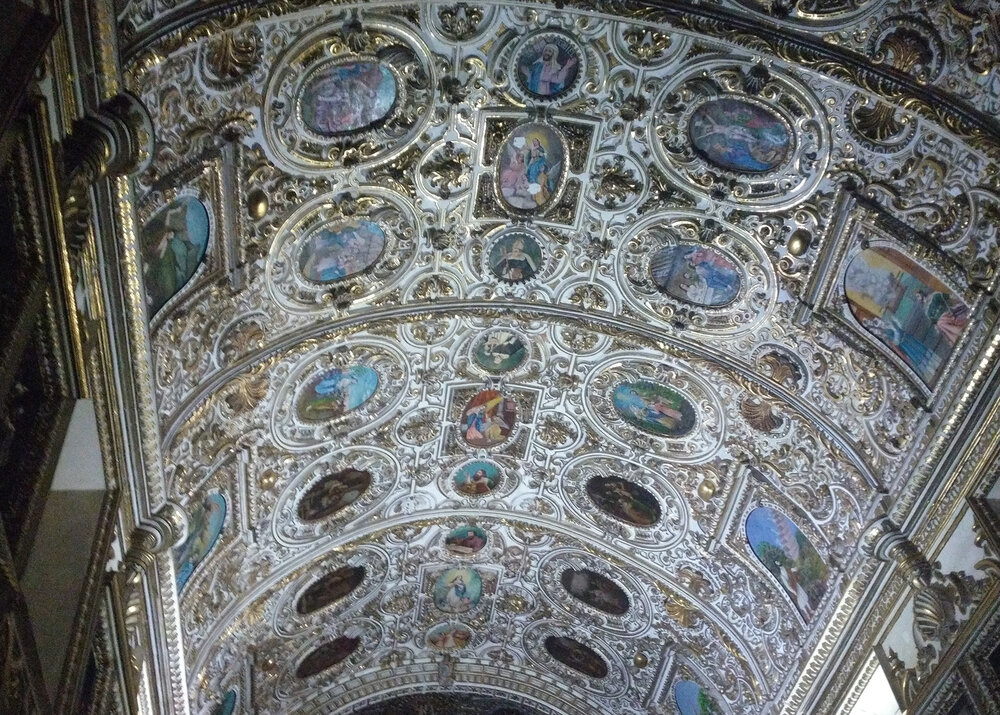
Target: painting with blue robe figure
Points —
{"points": [[336, 392], [341, 250], [204, 528], [655, 408], [739, 136], [699, 275], [790, 557], [173, 243], [347, 97], [477, 478], [548, 65], [907, 308], [500, 351], [488, 419], [458, 590], [531, 166], [692, 700], [227, 706]]}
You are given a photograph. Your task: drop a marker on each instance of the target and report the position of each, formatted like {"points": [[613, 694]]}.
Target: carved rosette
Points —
{"points": [[615, 683]]}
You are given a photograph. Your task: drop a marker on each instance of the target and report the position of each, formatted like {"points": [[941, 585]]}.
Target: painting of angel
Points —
{"points": [[488, 419], [531, 166], [173, 246]]}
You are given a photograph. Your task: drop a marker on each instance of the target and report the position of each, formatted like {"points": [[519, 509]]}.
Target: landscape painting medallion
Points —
{"points": [[515, 257], [465, 540], [173, 242], [227, 706], [699, 275], [488, 419], [624, 500], [547, 66], [574, 654], [531, 165], [341, 250], [595, 590], [907, 308], [458, 590], [739, 136], [790, 557], [347, 97], [654, 408], [336, 392], [692, 700], [477, 478], [333, 493], [500, 351], [204, 526], [327, 656], [330, 588], [449, 636]]}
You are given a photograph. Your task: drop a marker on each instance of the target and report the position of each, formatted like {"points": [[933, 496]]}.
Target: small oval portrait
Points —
{"points": [[333, 493], [692, 700], [327, 656], [574, 654], [548, 65], [515, 257], [500, 351], [531, 165], [336, 392], [465, 540], [654, 408], [595, 590], [739, 136], [341, 250], [204, 526], [448, 636], [477, 478], [347, 97], [488, 419], [699, 275], [227, 706], [173, 242], [624, 500], [330, 588], [458, 590]]}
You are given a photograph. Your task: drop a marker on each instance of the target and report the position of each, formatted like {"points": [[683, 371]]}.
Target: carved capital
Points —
{"points": [[153, 536], [883, 540]]}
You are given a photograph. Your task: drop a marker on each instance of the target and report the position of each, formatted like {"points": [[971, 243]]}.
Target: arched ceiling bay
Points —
{"points": [[553, 356]]}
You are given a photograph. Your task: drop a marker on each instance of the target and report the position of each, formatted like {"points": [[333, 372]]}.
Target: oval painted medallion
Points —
{"points": [[173, 242], [654, 408], [327, 656], [488, 419], [204, 527], [477, 478], [341, 250], [530, 166], [330, 588], [336, 392], [465, 540], [595, 590], [448, 636], [699, 275], [458, 590], [739, 136], [624, 500], [347, 97], [692, 700], [574, 654], [332, 493]]}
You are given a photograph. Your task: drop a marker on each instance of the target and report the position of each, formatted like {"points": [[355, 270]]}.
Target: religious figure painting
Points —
{"points": [[326, 656], [227, 706], [330, 588], [515, 257], [574, 654], [488, 419], [699, 275], [692, 700], [465, 540], [739, 136], [340, 251], [531, 166], [790, 557], [173, 242], [449, 636], [458, 590], [548, 65], [477, 478], [654, 408], [595, 590], [500, 351], [336, 392], [624, 500], [347, 97], [333, 493], [204, 527], [907, 308]]}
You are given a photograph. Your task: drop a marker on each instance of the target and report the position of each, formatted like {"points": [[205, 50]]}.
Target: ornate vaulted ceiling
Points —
{"points": [[554, 356]]}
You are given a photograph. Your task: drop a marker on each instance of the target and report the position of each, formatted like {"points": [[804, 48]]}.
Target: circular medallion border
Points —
{"points": [[615, 683], [499, 348], [545, 78], [516, 257], [505, 482]]}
